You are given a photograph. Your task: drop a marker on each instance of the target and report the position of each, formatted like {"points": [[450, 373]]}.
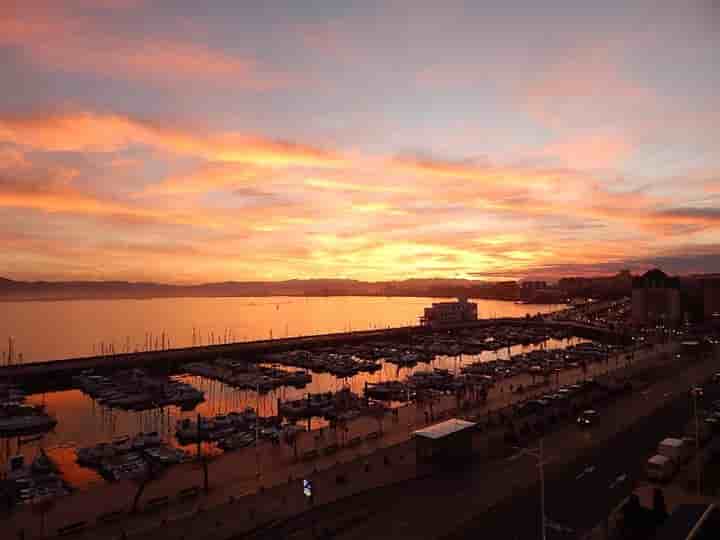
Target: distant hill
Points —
{"points": [[11, 290]]}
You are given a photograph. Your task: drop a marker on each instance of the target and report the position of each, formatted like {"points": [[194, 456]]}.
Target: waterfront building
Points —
{"points": [[450, 312], [445, 443], [602, 287], [656, 299], [711, 297], [534, 285]]}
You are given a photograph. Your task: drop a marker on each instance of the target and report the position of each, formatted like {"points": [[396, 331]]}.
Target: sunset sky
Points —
{"points": [[232, 140]]}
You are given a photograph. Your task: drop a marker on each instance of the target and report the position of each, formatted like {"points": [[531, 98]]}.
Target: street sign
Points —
{"points": [[308, 488]]}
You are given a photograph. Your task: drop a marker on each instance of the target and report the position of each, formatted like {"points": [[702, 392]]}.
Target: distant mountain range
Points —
{"points": [[11, 290]]}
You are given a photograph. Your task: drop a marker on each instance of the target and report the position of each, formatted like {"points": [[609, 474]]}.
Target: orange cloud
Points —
{"points": [[106, 132], [209, 177], [11, 157], [504, 179], [333, 185], [407, 217]]}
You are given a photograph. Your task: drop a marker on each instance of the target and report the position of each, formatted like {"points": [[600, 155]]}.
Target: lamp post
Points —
{"points": [[539, 455], [410, 411], [257, 431], [696, 393]]}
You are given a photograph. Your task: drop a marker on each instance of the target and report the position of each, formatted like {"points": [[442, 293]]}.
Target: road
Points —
{"points": [[581, 494], [594, 471]]}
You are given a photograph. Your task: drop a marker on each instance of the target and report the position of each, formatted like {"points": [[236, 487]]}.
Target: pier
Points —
{"points": [[57, 373]]}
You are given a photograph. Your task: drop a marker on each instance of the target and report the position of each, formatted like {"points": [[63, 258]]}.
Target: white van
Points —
{"points": [[675, 449], [660, 468]]}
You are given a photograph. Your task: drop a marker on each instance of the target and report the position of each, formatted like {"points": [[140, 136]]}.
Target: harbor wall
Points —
{"points": [[56, 373]]}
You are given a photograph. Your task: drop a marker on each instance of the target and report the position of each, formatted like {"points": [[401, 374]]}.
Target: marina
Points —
{"points": [[137, 390], [116, 422], [129, 457], [37, 482], [84, 421], [18, 418], [248, 376]]}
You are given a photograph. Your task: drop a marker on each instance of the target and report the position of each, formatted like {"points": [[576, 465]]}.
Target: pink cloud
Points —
{"points": [[590, 151], [588, 85]]}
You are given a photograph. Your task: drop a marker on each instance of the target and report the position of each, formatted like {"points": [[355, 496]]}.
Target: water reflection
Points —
{"points": [[64, 329], [83, 422]]}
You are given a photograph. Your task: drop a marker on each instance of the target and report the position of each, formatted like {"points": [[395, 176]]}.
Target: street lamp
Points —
{"points": [[538, 454], [697, 392], [258, 472], [410, 411]]}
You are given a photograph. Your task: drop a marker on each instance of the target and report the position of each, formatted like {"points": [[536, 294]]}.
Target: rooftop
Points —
{"points": [[672, 441], [658, 460], [444, 429]]}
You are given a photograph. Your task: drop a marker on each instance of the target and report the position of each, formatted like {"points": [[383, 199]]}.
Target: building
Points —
{"points": [[446, 443], [711, 298], [450, 312], [602, 287], [534, 285], [656, 299]]}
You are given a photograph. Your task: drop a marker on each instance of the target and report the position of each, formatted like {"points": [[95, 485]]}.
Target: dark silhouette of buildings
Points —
{"points": [[656, 299]]}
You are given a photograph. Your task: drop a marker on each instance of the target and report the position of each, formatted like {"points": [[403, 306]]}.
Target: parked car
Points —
{"points": [[588, 418], [675, 449], [660, 468]]}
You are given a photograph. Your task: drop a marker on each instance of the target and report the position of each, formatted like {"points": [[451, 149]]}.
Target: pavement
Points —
{"points": [[234, 476]]}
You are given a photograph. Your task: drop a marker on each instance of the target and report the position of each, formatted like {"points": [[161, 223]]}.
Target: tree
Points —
{"points": [[206, 473], [42, 507], [291, 436], [378, 412], [152, 473]]}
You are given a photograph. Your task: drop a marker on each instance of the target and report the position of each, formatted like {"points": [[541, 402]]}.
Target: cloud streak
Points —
{"points": [[93, 132], [56, 39]]}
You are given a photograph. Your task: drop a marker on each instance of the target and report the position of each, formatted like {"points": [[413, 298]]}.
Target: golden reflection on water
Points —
{"points": [[65, 329]]}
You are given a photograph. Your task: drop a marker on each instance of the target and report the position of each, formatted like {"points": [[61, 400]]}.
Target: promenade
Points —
{"points": [[234, 476]]}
